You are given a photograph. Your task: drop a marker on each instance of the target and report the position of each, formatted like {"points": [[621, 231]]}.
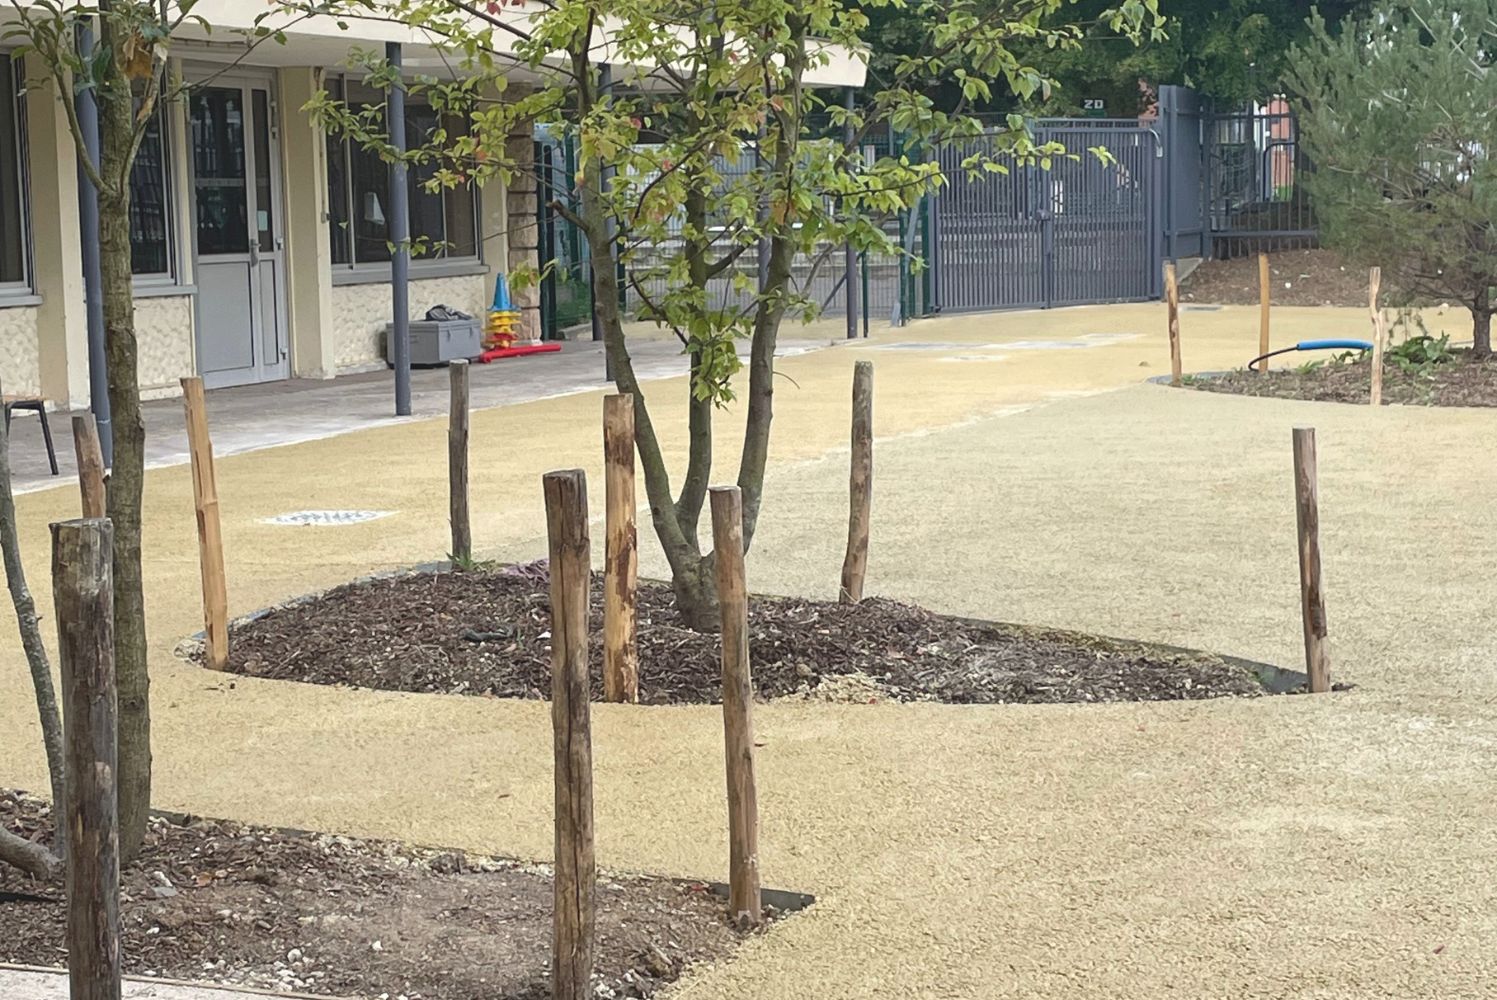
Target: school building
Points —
{"points": [[260, 243]]}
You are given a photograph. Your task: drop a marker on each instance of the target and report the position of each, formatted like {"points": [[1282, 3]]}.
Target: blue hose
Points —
{"points": [[1312, 345]]}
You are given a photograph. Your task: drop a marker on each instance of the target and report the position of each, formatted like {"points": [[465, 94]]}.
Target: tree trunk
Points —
{"points": [[31, 641], [33, 859], [772, 300], [128, 472], [699, 409], [1481, 326]]}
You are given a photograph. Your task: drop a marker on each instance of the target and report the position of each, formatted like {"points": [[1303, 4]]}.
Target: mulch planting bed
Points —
{"points": [[1460, 381], [220, 902], [486, 632]]}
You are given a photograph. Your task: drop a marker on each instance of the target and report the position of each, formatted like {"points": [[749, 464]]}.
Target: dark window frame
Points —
{"points": [[26, 285], [342, 153], [171, 277]]}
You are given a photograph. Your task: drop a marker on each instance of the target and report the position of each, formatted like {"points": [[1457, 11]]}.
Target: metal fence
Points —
{"points": [[1187, 182], [1255, 198], [1082, 230]]}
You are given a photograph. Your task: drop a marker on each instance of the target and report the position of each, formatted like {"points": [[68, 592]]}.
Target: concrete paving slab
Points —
{"points": [[248, 418], [25, 983]]}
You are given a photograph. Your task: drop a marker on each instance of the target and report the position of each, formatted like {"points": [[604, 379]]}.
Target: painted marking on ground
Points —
{"points": [[325, 518]]}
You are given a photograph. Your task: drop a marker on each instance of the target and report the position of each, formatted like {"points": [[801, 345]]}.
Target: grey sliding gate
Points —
{"points": [[1082, 231]]}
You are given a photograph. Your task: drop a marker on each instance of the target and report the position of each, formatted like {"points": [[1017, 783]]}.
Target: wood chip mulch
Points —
{"points": [[219, 902], [1461, 381], [486, 632]]}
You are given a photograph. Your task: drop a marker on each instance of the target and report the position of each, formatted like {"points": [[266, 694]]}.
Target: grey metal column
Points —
{"points": [[93, 276], [400, 235], [850, 256]]}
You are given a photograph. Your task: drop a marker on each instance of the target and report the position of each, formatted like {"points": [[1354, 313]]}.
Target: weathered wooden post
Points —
{"points": [[860, 486], [210, 532], [1264, 305], [621, 558], [576, 870], [90, 464], [744, 905], [457, 464], [1172, 299], [1312, 599], [83, 598], [1379, 333]]}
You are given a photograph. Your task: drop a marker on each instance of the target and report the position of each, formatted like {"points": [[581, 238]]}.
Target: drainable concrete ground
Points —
{"points": [[1330, 847]]}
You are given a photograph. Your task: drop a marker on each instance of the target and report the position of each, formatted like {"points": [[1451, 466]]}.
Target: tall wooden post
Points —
{"points": [[573, 918], [83, 599], [1172, 299], [621, 558], [1312, 599], [1264, 305], [457, 464], [210, 532], [860, 486], [90, 464], [744, 905], [1379, 334]]}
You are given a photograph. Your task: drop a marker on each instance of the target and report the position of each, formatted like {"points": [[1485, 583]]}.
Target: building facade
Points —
{"points": [[260, 243]]}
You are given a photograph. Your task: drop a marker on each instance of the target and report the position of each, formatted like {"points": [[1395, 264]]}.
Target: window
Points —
{"points": [[14, 244], [446, 221], [150, 205]]}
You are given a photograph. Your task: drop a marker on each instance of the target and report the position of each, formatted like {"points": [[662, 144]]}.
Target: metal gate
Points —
{"points": [[1082, 231]]}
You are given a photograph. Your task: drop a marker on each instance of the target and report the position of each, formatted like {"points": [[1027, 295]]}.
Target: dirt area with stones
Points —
{"points": [[1460, 381], [487, 632], [1297, 278], [220, 902]]}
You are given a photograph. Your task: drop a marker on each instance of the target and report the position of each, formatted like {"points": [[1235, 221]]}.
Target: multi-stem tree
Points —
{"points": [[125, 72], [669, 102]]}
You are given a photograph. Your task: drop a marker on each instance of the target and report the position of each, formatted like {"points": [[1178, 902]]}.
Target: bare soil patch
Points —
{"points": [[487, 632], [1299, 278], [1461, 381], [220, 902]]}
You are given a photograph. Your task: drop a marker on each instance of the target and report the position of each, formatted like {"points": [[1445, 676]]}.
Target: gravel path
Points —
{"points": [[1333, 848]]}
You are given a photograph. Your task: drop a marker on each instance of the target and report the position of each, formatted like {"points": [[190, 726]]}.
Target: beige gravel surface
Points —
{"points": [[1340, 847]]}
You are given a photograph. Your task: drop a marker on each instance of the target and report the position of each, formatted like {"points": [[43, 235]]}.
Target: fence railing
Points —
{"points": [[1254, 181]]}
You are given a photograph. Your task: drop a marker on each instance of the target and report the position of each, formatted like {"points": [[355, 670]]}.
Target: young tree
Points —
{"points": [[30, 857], [671, 103], [126, 75], [1397, 114]]}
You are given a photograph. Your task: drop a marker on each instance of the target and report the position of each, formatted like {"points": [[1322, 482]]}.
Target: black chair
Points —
{"points": [[35, 404]]}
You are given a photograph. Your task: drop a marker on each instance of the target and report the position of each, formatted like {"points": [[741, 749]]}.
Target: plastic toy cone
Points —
{"points": [[502, 302]]}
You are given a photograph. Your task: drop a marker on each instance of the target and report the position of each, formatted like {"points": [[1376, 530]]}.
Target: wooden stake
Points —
{"points": [[573, 918], [1379, 333], [83, 599], [1264, 305], [744, 906], [210, 532], [457, 463], [860, 488], [90, 464], [621, 558], [1312, 600], [1172, 299]]}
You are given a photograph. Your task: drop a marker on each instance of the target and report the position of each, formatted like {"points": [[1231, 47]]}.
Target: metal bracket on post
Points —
{"points": [[400, 237]]}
